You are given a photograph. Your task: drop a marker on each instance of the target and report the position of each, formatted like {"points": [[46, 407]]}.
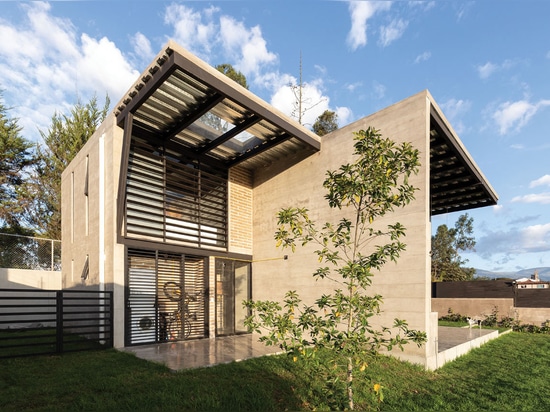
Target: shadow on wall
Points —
{"points": [[30, 279]]}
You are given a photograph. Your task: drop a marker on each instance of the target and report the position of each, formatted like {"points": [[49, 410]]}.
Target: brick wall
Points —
{"points": [[240, 210]]}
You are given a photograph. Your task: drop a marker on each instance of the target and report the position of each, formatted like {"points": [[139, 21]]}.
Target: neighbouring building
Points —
{"points": [[180, 186]]}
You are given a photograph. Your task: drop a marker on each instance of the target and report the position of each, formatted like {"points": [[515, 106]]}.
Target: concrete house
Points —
{"points": [[172, 203]]}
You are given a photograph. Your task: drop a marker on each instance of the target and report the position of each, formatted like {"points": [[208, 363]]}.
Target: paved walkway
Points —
{"points": [[203, 352], [208, 352], [450, 337]]}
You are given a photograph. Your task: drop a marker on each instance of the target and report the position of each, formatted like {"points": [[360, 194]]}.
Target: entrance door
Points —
{"points": [[232, 289], [166, 297]]}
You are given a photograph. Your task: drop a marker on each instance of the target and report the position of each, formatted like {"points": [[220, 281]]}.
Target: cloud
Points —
{"points": [[379, 90], [515, 115], [541, 181], [423, 57], [344, 115], [524, 219], [392, 32], [530, 239], [352, 86], [360, 13], [488, 69], [542, 198], [454, 109], [314, 102], [46, 66], [192, 29], [248, 44], [142, 47]]}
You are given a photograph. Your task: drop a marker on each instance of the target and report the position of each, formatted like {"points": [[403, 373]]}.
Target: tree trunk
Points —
{"points": [[350, 381]]}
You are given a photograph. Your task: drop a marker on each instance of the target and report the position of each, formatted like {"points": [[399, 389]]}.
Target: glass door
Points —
{"points": [[232, 289]]}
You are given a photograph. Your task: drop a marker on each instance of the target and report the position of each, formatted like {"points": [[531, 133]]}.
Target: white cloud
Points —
{"points": [[379, 90], [486, 70], [352, 86], [142, 46], [314, 102], [423, 57], [517, 146], [344, 115], [536, 238], [542, 198], [360, 13], [248, 45], [541, 181], [454, 108], [191, 30], [515, 242], [515, 115], [392, 32], [46, 66]]}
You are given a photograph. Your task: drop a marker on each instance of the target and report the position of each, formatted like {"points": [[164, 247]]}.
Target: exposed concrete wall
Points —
{"points": [[474, 308], [532, 316], [30, 279], [481, 307], [405, 286], [89, 230]]}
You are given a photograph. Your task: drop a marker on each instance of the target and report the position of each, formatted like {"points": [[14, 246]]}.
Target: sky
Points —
{"points": [[486, 63]]}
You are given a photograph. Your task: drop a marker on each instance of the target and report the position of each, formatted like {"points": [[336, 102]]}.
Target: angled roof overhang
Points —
{"points": [[188, 106], [456, 183]]}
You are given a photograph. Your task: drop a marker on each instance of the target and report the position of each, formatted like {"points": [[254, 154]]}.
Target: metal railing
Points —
{"points": [[25, 252], [39, 322]]}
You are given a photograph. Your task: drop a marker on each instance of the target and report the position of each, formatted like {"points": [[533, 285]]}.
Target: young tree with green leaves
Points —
{"points": [[447, 243], [350, 252], [41, 195], [16, 159]]}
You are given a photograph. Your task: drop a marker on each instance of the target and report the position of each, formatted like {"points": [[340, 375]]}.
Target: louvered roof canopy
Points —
{"points": [[456, 183], [185, 104]]}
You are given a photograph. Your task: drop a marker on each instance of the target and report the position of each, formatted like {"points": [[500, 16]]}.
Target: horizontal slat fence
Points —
{"points": [[39, 322], [493, 289]]}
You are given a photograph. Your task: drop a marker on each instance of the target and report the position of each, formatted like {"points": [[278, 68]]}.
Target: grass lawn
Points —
{"points": [[506, 374]]}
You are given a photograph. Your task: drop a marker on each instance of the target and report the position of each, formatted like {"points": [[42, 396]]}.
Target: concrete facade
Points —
{"points": [[96, 244]]}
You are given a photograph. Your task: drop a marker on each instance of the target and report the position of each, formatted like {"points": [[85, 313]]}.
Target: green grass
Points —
{"points": [[507, 374]]}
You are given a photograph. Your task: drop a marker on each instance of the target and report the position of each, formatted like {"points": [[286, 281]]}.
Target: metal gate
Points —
{"points": [[166, 298]]}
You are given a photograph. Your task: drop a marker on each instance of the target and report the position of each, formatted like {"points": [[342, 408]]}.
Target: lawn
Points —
{"points": [[506, 374]]}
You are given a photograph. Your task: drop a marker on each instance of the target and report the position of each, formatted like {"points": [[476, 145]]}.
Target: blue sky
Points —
{"points": [[486, 62]]}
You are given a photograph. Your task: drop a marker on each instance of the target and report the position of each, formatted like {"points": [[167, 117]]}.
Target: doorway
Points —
{"points": [[166, 297], [232, 289]]}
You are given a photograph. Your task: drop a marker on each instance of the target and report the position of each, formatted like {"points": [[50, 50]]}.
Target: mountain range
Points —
{"points": [[544, 273]]}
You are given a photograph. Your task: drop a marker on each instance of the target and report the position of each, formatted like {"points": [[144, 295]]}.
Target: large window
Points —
{"points": [[174, 198]]}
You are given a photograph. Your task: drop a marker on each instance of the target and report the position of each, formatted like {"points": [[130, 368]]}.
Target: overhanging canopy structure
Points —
{"points": [[183, 103], [456, 183]]}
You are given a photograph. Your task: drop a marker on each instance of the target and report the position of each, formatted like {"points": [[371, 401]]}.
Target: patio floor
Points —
{"points": [[190, 354]]}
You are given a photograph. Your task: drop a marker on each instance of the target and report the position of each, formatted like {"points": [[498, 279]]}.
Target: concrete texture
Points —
{"points": [[199, 353]]}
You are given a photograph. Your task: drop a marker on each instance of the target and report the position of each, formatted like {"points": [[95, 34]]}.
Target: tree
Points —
{"points": [[233, 74], [301, 104], [375, 184], [326, 122], [41, 195], [16, 157], [447, 264]]}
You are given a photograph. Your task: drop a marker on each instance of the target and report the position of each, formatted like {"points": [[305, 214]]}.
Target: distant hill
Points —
{"points": [[544, 273]]}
